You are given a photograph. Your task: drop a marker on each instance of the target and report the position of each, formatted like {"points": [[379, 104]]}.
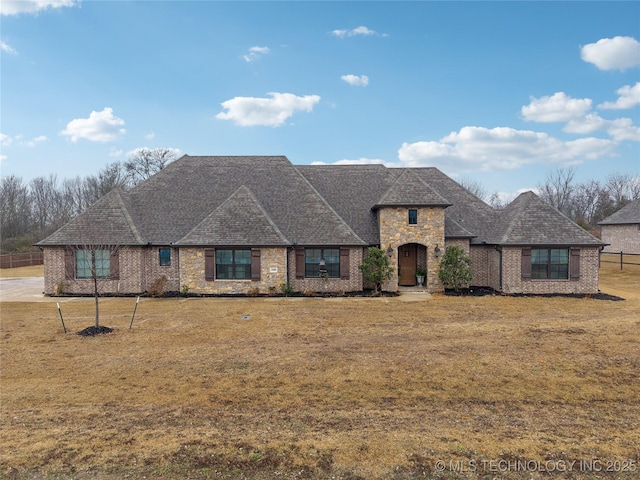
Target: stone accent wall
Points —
{"points": [[623, 238], [131, 277], [320, 285], [485, 266], [512, 276], [273, 270], [396, 231]]}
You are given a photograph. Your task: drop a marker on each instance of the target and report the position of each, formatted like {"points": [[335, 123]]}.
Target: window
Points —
{"points": [[549, 263], [233, 264], [85, 260], [313, 256], [165, 257], [413, 217]]}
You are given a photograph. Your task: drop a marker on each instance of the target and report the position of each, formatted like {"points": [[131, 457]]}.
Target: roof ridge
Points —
{"points": [[127, 217], [520, 206], [324, 200], [223, 205]]}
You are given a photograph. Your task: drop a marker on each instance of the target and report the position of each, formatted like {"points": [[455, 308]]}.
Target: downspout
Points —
{"points": [[499, 250]]}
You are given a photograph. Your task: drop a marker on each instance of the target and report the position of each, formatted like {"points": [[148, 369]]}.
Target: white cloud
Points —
{"points": [[255, 53], [623, 129], [116, 152], [34, 141], [612, 53], [150, 136], [628, 97], [101, 126], [356, 80], [5, 47], [361, 31], [556, 108], [272, 112], [5, 140], [15, 7], [359, 161], [479, 148], [587, 124], [2, 158]]}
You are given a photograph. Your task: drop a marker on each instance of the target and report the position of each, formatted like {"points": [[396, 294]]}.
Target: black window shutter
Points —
{"points": [[209, 264], [299, 262], [69, 264], [114, 265], [526, 264], [574, 264], [344, 263], [255, 264]]}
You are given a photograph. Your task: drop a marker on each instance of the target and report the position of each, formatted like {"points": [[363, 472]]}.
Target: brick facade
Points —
{"points": [[131, 278], [396, 231], [273, 268], [512, 275], [353, 284], [622, 237], [485, 266]]}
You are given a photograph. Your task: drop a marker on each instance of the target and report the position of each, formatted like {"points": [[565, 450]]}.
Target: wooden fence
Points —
{"points": [[620, 258], [15, 260]]}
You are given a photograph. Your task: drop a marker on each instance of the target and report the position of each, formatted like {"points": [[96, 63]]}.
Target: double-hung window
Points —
{"points": [[85, 260], [233, 264], [317, 260], [550, 263]]}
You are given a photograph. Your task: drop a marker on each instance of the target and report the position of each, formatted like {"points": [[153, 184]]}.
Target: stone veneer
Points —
{"points": [[623, 238], [512, 276], [319, 285], [273, 270], [429, 232]]}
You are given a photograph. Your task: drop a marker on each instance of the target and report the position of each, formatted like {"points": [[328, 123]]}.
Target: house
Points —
{"points": [[230, 225], [621, 230]]}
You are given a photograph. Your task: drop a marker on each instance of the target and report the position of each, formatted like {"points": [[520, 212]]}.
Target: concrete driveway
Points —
{"points": [[26, 289]]}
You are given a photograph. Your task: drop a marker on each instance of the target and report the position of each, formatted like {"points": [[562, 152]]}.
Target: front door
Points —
{"points": [[407, 261]]}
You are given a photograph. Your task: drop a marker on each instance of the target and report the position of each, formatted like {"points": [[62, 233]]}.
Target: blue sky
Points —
{"points": [[498, 92]]}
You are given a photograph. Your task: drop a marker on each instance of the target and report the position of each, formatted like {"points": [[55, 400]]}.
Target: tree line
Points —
{"points": [[32, 211], [586, 203]]}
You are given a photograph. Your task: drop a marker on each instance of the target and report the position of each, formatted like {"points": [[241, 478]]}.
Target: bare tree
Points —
{"points": [[558, 189], [145, 162], [96, 256], [14, 208], [474, 187], [500, 201], [113, 176]]}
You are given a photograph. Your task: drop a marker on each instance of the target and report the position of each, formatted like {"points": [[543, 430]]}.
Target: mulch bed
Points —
{"points": [[483, 291], [92, 331]]}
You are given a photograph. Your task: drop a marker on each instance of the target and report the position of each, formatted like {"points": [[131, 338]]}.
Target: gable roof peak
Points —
{"points": [[409, 189]]}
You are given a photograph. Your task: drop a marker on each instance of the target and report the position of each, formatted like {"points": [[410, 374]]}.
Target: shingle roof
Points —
{"points": [[261, 201], [630, 213], [530, 221], [410, 190], [239, 220], [107, 222], [468, 211]]}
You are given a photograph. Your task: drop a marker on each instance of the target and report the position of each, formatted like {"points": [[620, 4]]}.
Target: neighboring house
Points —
{"points": [[233, 225], [621, 230]]}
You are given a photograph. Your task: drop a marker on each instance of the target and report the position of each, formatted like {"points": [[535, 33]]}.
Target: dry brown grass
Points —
{"points": [[34, 271], [322, 388]]}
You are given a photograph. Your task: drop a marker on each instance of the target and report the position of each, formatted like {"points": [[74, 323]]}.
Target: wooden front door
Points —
{"points": [[407, 261]]}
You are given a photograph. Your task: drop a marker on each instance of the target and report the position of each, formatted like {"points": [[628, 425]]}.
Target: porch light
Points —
{"points": [[436, 251], [389, 252]]}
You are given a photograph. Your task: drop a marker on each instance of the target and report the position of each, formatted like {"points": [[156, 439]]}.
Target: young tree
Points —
{"points": [[455, 268], [376, 268]]}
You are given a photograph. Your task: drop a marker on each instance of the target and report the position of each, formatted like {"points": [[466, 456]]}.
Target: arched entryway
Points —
{"points": [[411, 256]]}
